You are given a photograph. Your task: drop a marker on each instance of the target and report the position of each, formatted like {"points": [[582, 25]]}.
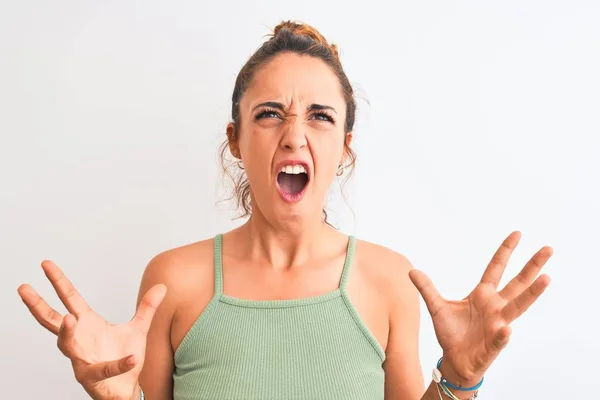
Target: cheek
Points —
{"points": [[327, 154], [250, 144], [257, 152]]}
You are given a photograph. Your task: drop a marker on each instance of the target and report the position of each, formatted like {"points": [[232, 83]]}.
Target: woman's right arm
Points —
{"points": [[110, 360], [106, 358], [156, 377]]}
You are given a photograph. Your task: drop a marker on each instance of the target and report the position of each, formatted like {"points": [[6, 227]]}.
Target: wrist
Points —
{"points": [[460, 379], [456, 385], [457, 379], [136, 393], [463, 383]]}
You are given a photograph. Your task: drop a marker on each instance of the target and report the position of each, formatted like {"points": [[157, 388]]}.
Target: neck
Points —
{"points": [[286, 247]]}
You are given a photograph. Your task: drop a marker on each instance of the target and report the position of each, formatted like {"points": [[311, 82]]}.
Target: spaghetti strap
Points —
{"points": [[348, 262], [218, 263]]}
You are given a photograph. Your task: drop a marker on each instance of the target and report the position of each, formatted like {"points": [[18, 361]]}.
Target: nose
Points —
{"points": [[294, 137]]}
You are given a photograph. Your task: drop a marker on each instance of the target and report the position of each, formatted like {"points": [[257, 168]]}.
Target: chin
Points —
{"points": [[293, 215]]}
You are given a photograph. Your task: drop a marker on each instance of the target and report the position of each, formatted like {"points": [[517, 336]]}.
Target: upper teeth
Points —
{"points": [[293, 169]]}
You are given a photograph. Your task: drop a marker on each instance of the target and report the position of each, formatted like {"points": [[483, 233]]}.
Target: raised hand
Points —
{"points": [[106, 358], [473, 331]]}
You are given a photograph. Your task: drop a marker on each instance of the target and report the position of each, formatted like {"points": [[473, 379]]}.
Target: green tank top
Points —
{"points": [[301, 349]]}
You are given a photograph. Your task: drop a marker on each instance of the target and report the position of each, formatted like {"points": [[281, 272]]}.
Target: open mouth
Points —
{"points": [[292, 180]]}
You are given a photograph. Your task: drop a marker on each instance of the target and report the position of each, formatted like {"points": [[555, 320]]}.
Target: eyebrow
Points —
{"points": [[280, 106]]}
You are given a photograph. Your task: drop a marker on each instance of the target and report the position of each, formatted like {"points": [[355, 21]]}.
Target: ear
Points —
{"points": [[232, 137], [348, 138], [347, 142]]}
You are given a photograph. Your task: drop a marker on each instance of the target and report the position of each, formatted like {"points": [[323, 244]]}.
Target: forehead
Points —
{"points": [[291, 78]]}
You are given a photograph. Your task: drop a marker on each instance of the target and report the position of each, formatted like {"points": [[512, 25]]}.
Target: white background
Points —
{"points": [[475, 119]]}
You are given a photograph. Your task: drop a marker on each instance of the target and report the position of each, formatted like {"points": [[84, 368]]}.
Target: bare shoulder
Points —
{"points": [[185, 269], [187, 273], [391, 271], [385, 266]]}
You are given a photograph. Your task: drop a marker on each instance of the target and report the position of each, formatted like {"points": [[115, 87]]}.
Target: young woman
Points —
{"points": [[285, 306]]}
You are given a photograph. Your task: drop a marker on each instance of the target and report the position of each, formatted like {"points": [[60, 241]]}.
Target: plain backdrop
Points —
{"points": [[475, 119]]}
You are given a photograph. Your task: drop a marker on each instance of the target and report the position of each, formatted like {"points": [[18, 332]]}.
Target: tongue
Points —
{"points": [[292, 183]]}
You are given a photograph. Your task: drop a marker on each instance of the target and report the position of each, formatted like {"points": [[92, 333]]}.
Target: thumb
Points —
{"points": [[148, 306], [94, 373], [430, 294], [501, 338]]}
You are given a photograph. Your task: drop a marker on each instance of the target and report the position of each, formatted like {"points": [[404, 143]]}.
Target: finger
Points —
{"points": [[65, 289], [66, 336], [41, 311], [501, 338], [98, 372], [495, 269], [527, 274], [431, 296], [523, 301], [148, 306]]}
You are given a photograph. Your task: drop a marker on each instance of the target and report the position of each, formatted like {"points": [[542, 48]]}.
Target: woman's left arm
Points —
{"points": [[471, 331], [402, 366]]}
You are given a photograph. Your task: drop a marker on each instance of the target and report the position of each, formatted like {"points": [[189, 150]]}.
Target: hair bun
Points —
{"points": [[300, 29]]}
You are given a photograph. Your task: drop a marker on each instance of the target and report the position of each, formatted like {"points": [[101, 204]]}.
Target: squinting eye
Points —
{"points": [[323, 117], [267, 114]]}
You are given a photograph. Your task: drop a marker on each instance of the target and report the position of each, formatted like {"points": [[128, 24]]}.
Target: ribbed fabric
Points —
{"points": [[301, 349]]}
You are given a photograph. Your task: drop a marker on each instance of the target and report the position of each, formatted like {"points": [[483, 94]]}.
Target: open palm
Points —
{"points": [[106, 358], [473, 331]]}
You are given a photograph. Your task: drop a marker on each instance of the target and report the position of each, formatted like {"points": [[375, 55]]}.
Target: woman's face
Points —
{"points": [[291, 137]]}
